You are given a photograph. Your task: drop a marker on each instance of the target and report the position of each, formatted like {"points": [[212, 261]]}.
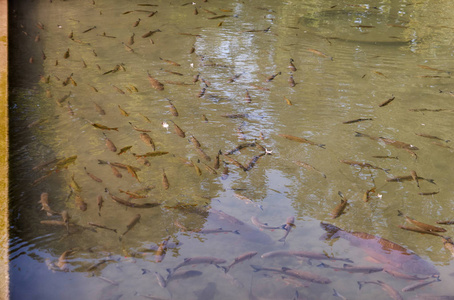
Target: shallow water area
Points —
{"points": [[103, 103]]}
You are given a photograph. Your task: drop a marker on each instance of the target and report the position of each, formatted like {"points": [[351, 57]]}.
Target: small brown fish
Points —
{"points": [[151, 154], [147, 140], [301, 140], [419, 230], [270, 78], [80, 203], [44, 200], [131, 225], [386, 102], [99, 109], [170, 62], [339, 209], [362, 165], [172, 108], [367, 193], [357, 120], [421, 225], [95, 178], [122, 111], [415, 177], [178, 130], [66, 55], [99, 202], [103, 127], [291, 66], [139, 129], [155, 83], [319, 53], [109, 144], [291, 82], [165, 181], [65, 217], [309, 167], [445, 222], [247, 97], [288, 101], [116, 172], [431, 137], [132, 172], [124, 149], [448, 244]]}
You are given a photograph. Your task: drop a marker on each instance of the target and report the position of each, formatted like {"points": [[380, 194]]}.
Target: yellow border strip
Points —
{"points": [[4, 274]]}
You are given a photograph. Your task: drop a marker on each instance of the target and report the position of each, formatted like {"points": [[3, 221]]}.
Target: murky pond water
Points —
{"points": [[95, 84]]}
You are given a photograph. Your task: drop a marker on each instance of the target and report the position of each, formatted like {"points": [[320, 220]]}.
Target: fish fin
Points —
{"points": [[359, 284], [346, 265], [323, 265], [236, 232], [114, 230], [358, 134], [349, 260], [256, 268], [281, 240], [322, 146], [226, 269], [335, 293], [399, 213], [285, 269]]}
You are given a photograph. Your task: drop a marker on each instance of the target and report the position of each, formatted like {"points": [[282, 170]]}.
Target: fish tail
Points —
{"points": [[114, 230], [322, 265], [236, 232], [386, 170], [399, 213], [335, 293], [360, 284], [226, 269], [322, 146], [358, 134], [348, 260]]}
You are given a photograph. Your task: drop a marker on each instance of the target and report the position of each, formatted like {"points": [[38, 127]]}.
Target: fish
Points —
{"points": [[165, 181], [336, 294], [432, 137], [357, 120], [309, 167], [124, 150], [80, 203], [44, 200], [99, 201], [172, 108], [319, 53], [419, 230], [291, 81], [339, 209], [240, 147], [308, 276], [66, 55], [161, 251], [445, 222], [132, 204], [102, 226], [65, 217], [385, 156], [261, 225], [390, 254], [99, 109], [389, 289], [65, 162], [63, 98], [132, 172], [235, 116], [122, 111], [116, 172], [270, 78], [301, 140], [408, 177], [109, 144], [367, 193], [202, 92], [62, 262], [384, 103], [103, 127], [289, 223], [353, 269], [415, 177], [178, 130], [116, 164], [247, 97], [131, 39], [236, 163], [131, 225], [161, 281], [418, 285], [421, 225], [288, 101], [151, 154], [215, 231], [95, 178], [218, 17], [170, 62], [198, 260], [448, 244], [362, 165], [155, 83], [139, 129], [147, 140], [291, 66], [397, 144], [182, 274], [203, 154], [306, 254]]}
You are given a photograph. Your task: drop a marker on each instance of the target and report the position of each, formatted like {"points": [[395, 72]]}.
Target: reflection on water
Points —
{"points": [[161, 149]]}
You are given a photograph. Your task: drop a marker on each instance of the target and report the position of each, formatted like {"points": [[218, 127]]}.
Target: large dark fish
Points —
{"points": [[242, 257], [390, 254], [389, 289]]}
